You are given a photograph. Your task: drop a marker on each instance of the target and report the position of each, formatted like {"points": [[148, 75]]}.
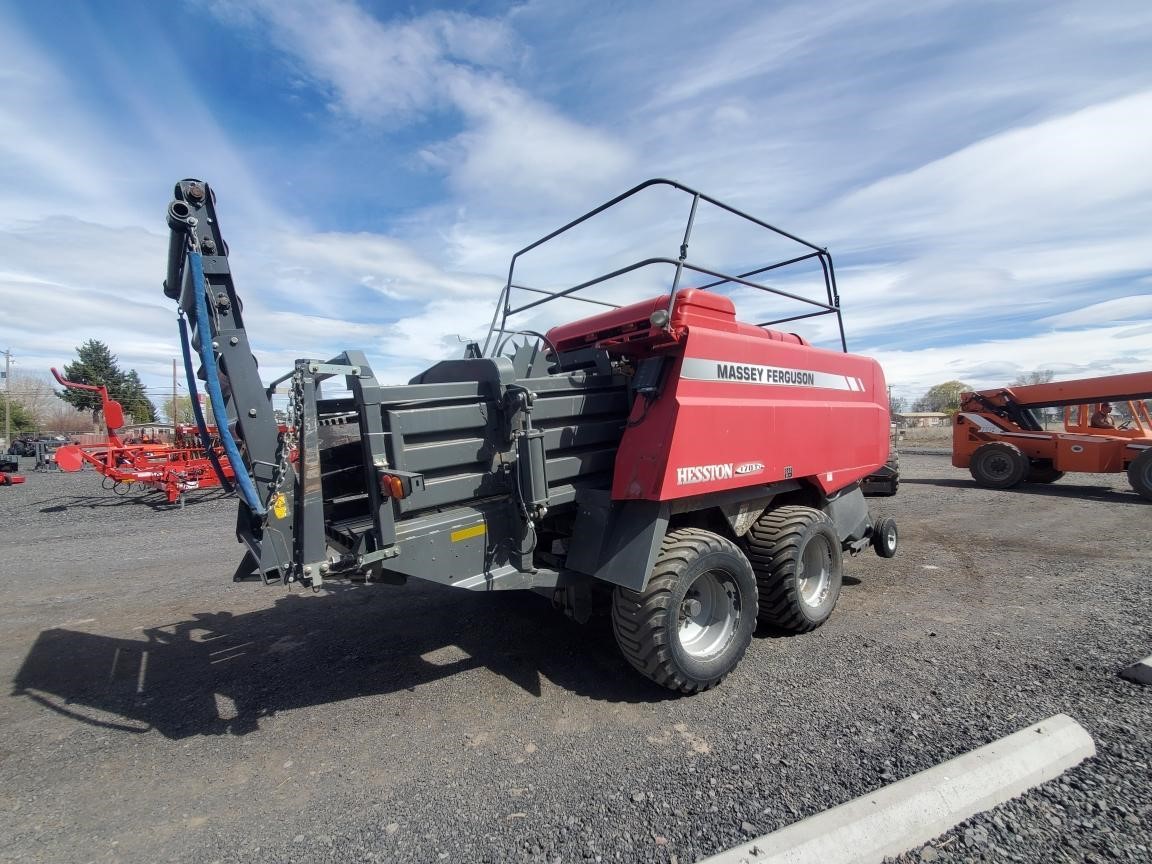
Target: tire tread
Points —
{"points": [[772, 543], [639, 619]]}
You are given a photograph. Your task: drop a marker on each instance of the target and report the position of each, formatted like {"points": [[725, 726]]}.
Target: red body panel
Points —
{"points": [[740, 405], [629, 329]]}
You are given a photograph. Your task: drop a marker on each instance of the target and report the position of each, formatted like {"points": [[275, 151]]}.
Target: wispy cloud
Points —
{"points": [[397, 73]]}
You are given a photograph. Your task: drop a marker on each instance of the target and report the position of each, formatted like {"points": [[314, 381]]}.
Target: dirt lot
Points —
{"points": [[157, 712]]}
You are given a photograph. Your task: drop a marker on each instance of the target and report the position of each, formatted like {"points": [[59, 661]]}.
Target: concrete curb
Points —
{"points": [[911, 812], [1139, 672]]}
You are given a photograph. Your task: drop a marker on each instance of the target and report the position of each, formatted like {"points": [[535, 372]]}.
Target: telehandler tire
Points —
{"points": [[1043, 473], [1140, 474], [998, 465], [693, 622], [799, 567]]}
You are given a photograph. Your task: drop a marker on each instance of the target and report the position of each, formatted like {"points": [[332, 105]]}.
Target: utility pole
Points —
{"points": [[8, 397]]}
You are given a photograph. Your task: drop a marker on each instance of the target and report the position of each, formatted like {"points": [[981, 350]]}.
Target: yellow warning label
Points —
{"points": [[466, 533], [280, 506]]}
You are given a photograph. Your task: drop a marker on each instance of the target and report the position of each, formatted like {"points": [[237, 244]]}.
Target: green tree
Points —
{"points": [[133, 396], [95, 364], [184, 410], [180, 412], [943, 397], [20, 417]]}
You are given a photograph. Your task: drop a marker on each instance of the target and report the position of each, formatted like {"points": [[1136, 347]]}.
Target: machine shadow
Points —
{"points": [[1060, 489], [153, 500], [219, 673]]}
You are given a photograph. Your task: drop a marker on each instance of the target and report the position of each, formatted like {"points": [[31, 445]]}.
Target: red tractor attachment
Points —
{"points": [[172, 469]]}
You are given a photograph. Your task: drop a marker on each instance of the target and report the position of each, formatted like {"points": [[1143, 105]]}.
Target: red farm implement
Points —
{"points": [[171, 468]]}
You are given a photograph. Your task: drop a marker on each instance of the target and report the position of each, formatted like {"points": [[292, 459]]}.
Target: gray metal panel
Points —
{"points": [[583, 434], [439, 420], [439, 454], [584, 380], [849, 512], [311, 542], [492, 372], [456, 489], [579, 405], [472, 560], [579, 464], [617, 541]]}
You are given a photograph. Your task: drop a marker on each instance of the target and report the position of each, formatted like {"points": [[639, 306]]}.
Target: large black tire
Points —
{"points": [[692, 623], [1043, 472], [798, 562], [1140, 474], [998, 465]]}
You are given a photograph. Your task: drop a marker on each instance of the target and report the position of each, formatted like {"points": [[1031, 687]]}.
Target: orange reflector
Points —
{"points": [[391, 486]]}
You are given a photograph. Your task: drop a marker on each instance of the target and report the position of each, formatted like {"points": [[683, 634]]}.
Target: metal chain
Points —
{"points": [[287, 440]]}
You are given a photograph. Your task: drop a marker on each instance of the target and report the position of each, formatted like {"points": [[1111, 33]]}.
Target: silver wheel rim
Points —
{"points": [[708, 614], [814, 576], [890, 537]]}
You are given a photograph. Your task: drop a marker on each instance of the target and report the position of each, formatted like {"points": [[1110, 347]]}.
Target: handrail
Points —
{"points": [[504, 308]]}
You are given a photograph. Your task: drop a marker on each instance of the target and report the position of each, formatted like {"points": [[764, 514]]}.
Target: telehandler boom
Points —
{"points": [[997, 436]]}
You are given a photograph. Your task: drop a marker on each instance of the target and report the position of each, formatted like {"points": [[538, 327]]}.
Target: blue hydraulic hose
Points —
{"points": [[212, 386], [198, 411]]}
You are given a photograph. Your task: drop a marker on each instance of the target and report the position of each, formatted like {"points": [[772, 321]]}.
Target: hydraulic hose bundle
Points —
{"points": [[207, 352]]}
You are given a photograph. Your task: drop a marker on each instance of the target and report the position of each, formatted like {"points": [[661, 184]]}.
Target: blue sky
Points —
{"points": [[981, 171]]}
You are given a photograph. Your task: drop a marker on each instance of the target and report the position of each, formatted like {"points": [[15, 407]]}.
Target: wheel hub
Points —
{"points": [[999, 466], [708, 614], [814, 576]]}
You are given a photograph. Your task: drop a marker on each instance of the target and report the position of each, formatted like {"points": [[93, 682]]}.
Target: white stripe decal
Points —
{"points": [[700, 369]]}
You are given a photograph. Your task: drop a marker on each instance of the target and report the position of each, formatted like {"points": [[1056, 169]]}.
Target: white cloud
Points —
{"points": [[985, 362], [1080, 175], [1131, 308], [386, 72], [517, 148], [512, 146]]}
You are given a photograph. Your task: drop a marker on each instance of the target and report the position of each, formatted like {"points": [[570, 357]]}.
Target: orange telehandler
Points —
{"points": [[998, 438]]}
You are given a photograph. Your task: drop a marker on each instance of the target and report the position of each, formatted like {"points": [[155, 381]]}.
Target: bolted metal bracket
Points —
{"points": [[333, 369]]}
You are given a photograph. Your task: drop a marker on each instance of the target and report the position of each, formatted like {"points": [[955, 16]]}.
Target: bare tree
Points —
{"points": [[1040, 376], [34, 394], [897, 405], [62, 417]]}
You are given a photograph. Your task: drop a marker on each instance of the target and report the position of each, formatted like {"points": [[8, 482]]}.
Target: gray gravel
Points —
{"points": [[160, 712]]}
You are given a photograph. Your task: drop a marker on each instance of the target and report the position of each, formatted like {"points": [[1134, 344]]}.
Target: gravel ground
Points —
{"points": [[160, 712]]}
